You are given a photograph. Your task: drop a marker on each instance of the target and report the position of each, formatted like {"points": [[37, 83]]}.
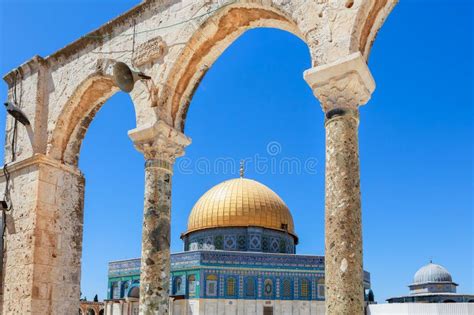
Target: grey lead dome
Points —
{"points": [[432, 273]]}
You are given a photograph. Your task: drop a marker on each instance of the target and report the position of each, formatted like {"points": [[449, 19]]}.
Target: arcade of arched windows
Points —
{"points": [[288, 287], [91, 308]]}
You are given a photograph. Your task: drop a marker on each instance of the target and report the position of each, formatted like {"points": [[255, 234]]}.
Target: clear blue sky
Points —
{"points": [[416, 137]]}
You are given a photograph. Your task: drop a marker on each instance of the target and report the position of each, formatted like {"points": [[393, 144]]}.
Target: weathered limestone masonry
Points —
{"points": [[174, 42], [43, 237], [161, 145], [341, 87]]}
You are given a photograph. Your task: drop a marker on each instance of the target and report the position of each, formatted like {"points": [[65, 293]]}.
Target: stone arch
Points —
{"points": [[66, 89], [322, 26], [65, 140], [370, 17], [207, 44]]}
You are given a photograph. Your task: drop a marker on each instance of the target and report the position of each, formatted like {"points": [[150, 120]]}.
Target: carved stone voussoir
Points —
{"points": [[153, 50], [346, 83], [159, 142]]}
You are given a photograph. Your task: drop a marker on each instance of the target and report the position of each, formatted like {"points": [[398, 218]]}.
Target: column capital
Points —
{"points": [[159, 142], [345, 83]]}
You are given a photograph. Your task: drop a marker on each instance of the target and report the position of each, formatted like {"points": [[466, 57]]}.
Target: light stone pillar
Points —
{"points": [[341, 88], [43, 237], [161, 145]]}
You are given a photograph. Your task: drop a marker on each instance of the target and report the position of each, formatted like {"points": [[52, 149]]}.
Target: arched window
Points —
{"points": [[231, 286], [286, 288], [177, 285], [115, 290], [305, 288], [125, 287], [370, 296], [211, 285], [192, 285], [268, 288], [321, 286], [250, 287]]}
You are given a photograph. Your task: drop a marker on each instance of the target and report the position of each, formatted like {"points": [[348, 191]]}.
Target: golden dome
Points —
{"points": [[240, 202]]}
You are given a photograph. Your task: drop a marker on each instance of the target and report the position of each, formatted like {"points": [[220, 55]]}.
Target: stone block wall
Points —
{"points": [[43, 239]]}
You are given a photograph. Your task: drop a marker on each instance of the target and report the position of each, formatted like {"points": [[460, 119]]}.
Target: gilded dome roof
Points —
{"points": [[432, 273], [240, 202]]}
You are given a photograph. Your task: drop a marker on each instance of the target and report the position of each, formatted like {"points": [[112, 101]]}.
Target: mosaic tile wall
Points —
{"points": [[241, 239], [206, 274]]}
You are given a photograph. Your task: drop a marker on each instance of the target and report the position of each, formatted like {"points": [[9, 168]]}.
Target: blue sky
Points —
{"points": [[416, 137]]}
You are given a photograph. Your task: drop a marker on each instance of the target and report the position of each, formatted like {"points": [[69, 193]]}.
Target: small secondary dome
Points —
{"points": [[432, 273], [240, 202]]}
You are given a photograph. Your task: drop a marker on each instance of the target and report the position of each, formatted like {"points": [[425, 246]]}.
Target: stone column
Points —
{"points": [[43, 237], [341, 88], [161, 145]]}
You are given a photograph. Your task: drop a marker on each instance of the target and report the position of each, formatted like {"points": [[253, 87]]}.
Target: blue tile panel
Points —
{"points": [[240, 239], [266, 271]]}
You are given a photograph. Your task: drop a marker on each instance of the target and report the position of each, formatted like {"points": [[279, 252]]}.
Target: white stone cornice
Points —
{"points": [[159, 142], [26, 69], [346, 83], [38, 159]]}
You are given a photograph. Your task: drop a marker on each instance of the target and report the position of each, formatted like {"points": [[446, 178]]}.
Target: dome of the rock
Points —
{"points": [[240, 202]]}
